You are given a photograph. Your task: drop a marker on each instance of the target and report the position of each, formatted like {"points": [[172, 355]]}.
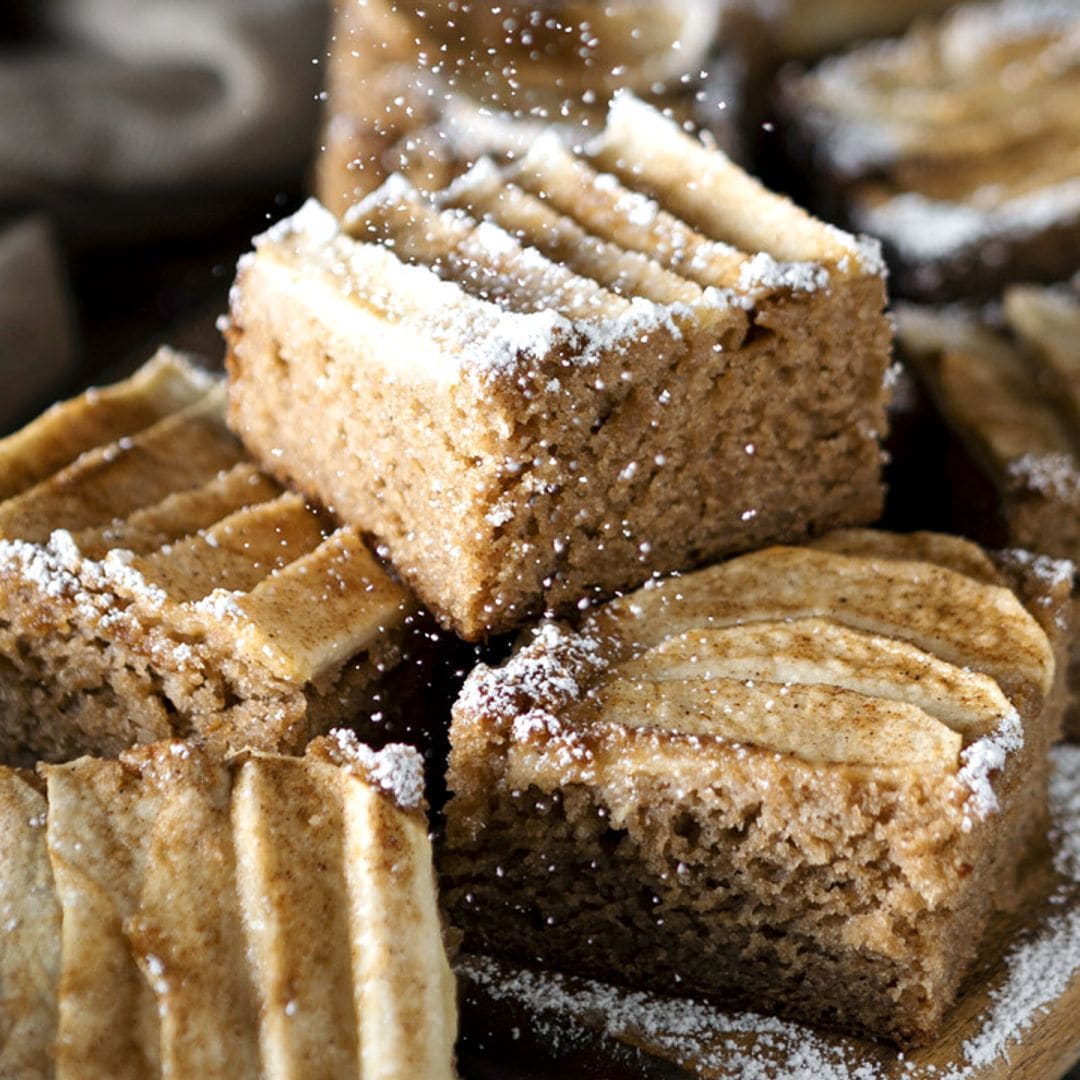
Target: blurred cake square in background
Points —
{"points": [[427, 89], [958, 145], [1008, 392]]}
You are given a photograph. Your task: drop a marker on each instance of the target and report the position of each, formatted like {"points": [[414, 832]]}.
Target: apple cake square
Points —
{"points": [[799, 780], [155, 583], [557, 377]]}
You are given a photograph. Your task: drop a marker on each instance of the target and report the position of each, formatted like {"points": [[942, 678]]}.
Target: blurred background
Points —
{"points": [[142, 143]]}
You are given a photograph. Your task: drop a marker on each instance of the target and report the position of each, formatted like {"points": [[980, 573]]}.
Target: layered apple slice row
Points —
{"points": [[835, 657], [176, 915], [803, 776]]}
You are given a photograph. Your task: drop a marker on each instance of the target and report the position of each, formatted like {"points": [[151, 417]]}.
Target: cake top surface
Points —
{"points": [[134, 505], [1011, 391], [251, 889], [865, 650], [959, 132], [507, 266]]}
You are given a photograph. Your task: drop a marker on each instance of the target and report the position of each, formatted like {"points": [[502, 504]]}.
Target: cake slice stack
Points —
{"points": [[554, 379], [155, 583], [269, 916]]}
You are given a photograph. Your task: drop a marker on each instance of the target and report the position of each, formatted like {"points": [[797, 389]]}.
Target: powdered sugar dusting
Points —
{"points": [[682, 1029], [765, 272], [396, 769], [41, 568], [1065, 808], [925, 229], [985, 757], [1054, 475], [552, 670], [1042, 967], [472, 298], [1052, 571]]}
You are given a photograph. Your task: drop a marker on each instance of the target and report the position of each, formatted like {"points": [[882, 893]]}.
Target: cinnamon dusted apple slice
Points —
{"points": [[818, 724], [287, 820], [164, 385], [183, 449], [235, 553], [338, 896], [179, 514], [403, 988], [822, 653], [30, 956], [485, 194], [961, 620], [153, 976]]}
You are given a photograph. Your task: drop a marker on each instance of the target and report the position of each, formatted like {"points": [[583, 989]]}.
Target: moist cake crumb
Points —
{"points": [[1038, 969], [535, 387]]}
